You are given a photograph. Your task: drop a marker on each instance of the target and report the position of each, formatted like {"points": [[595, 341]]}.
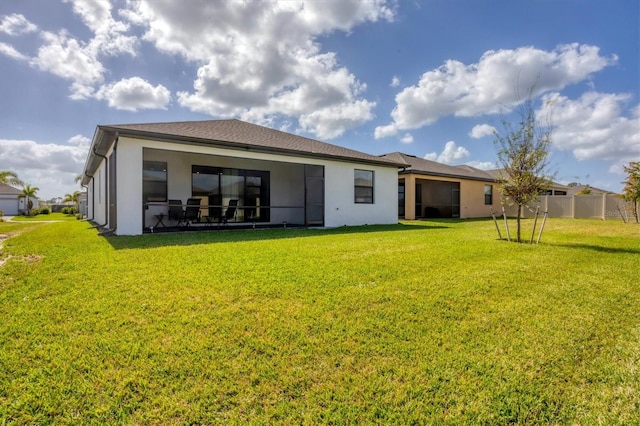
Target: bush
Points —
{"points": [[68, 210], [44, 210], [78, 216]]}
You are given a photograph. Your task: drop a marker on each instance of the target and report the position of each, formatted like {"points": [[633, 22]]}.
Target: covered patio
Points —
{"points": [[228, 192]]}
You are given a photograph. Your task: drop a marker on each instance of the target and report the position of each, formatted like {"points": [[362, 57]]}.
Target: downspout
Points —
{"points": [[114, 197]]}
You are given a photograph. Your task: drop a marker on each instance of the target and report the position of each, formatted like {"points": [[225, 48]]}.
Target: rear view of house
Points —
{"points": [[270, 177]]}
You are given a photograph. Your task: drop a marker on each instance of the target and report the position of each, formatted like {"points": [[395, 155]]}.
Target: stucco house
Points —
{"points": [[11, 200], [427, 189], [133, 171]]}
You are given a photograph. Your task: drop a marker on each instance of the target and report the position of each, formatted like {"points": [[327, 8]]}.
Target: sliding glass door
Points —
{"points": [[220, 186]]}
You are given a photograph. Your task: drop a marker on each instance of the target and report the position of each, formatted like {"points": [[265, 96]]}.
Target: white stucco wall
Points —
{"points": [[286, 177], [340, 208]]}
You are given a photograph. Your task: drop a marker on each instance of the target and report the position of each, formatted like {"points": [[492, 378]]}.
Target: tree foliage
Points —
{"points": [[631, 191], [522, 151], [30, 192], [10, 178]]}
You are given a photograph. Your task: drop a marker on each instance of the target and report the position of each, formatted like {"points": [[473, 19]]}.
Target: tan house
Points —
{"points": [[427, 189]]}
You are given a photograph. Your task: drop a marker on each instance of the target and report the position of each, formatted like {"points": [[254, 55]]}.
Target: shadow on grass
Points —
{"points": [[601, 249], [224, 236]]}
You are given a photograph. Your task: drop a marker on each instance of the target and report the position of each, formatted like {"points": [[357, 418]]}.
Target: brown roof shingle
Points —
{"points": [[242, 134], [428, 167]]}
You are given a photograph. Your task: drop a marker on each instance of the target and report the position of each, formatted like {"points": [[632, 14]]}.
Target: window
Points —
{"points": [[154, 181], [488, 195], [363, 180]]}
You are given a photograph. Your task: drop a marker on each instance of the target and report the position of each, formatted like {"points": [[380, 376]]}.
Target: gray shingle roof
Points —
{"points": [[229, 134], [8, 189], [432, 168], [243, 134]]}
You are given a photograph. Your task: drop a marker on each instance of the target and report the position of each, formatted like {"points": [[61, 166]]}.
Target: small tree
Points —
{"points": [[631, 191], [9, 178], [30, 192], [522, 154]]}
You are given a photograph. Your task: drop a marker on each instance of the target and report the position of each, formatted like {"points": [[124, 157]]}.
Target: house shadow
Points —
{"points": [[214, 236]]}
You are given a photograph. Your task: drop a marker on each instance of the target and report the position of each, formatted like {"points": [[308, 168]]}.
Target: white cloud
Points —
{"points": [[482, 130], [332, 121], [495, 82], [482, 165], [385, 131], [594, 126], [133, 94], [108, 38], [70, 59], [451, 153], [16, 24], [75, 60], [80, 141], [260, 60], [11, 52], [395, 81], [50, 167], [407, 138]]}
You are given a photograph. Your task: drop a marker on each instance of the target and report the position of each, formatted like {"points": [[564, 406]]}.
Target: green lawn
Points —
{"points": [[44, 217], [427, 322]]}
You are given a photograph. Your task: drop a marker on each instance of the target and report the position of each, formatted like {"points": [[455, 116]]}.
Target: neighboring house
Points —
{"points": [[554, 189], [586, 189], [427, 189], [133, 170], [11, 200]]}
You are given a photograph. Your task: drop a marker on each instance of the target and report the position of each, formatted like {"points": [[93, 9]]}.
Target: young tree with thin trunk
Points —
{"points": [[523, 156], [631, 191]]}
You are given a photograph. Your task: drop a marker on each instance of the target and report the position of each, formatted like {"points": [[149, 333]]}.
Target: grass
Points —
{"points": [[44, 217], [420, 323]]}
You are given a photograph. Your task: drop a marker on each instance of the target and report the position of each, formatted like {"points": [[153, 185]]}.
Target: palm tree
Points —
{"points": [[29, 192], [73, 198], [10, 178]]}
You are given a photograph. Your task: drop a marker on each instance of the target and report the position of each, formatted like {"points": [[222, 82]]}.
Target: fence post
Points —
{"points": [[604, 206]]}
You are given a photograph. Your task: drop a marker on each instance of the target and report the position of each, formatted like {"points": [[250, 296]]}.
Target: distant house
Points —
{"points": [[554, 189], [134, 170], [12, 200], [427, 189], [586, 190]]}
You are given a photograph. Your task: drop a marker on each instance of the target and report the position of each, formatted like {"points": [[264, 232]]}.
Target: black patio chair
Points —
{"points": [[230, 213], [191, 213], [175, 210]]}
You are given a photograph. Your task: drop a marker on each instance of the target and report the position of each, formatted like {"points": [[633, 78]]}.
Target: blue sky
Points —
{"points": [[427, 78]]}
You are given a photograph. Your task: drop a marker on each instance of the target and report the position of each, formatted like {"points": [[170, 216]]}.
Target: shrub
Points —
{"points": [[68, 210], [44, 210]]}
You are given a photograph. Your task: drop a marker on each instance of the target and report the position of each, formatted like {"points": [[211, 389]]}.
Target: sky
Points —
{"points": [[431, 78]]}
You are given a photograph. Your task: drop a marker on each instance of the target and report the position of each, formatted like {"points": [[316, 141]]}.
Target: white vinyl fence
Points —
{"points": [[604, 206]]}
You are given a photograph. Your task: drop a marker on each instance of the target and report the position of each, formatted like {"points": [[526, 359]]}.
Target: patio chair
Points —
{"points": [[191, 213], [175, 210], [230, 213]]}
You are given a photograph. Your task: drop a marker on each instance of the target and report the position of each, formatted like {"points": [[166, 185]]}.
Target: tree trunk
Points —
{"points": [[518, 222]]}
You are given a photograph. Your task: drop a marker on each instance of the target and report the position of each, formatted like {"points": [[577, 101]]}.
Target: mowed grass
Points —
{"points": [[426, 322]]}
